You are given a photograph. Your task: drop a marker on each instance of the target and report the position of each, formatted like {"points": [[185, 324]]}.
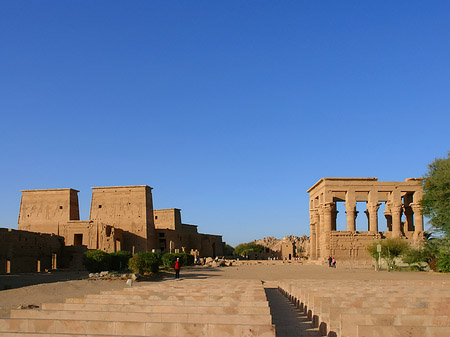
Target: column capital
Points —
{"points": [[416, 207], [373, 207], [328, 206]]}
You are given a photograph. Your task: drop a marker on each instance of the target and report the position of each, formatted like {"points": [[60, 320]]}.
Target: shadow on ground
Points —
{"points": [[13, 281], [288, 320]]}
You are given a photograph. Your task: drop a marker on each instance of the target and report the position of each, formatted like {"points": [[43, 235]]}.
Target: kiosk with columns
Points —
{"points": [[403, 215]]}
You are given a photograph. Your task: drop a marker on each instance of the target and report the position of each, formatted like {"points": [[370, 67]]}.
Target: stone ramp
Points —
{"points": [[202, 308], [373, 308]]}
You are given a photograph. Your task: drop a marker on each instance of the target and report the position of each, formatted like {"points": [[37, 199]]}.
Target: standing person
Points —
{"points": [[329, 261], [177, 268], [333, 262]]}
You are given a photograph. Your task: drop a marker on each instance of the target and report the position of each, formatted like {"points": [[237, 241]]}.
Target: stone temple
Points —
{"points": [[121, 218], [403, 215]]}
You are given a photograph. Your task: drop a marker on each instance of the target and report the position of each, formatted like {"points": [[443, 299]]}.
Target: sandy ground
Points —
{"points": [[35, 289]]}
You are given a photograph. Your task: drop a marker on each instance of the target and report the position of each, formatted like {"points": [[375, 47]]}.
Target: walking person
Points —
{"points": [[329, 261], [333, 262], [177, 268]]}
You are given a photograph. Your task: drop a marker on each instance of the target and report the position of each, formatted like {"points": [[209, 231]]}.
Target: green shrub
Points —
{"points": [[119, 260], [96, 261], [443, 263], [169, 259], [144, 263], [390, 249]]}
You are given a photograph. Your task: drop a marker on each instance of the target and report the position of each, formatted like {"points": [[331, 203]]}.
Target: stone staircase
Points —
{"points": [[373, 308], [190, 307]]}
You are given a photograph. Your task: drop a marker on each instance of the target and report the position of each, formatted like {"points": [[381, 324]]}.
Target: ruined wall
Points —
{"points": [[25, 252], [128, 208], [44, 211]]}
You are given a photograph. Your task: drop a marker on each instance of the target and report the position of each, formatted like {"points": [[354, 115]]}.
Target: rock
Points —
{"points": [[134, 277], [209, 260], [129, 283], [104, 273]]}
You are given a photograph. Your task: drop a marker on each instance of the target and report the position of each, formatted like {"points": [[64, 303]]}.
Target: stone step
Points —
{"points": [[349, 322], [168, 302], [142, 317], [158, 297], [121, 328], [330, 321], [400, 331], [238, 310]]}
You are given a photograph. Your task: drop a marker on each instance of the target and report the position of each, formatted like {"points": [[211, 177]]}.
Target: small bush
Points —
{"points": [[144, 263], [119, 260], [169, 259], [443, 263], [96, 261]]}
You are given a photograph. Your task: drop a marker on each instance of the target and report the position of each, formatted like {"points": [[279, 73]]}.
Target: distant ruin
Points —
{"points": [[403, 215]]}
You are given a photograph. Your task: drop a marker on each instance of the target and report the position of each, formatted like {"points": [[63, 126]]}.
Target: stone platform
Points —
{"points": [[191, 307], [375, 308]]}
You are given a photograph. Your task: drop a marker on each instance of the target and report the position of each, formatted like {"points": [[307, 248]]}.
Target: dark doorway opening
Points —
{"points": [[78, 239]]}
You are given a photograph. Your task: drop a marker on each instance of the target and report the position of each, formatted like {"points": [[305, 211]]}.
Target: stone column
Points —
{"points": [[334, 217], [372, 208], [326, 225], [396, 211], [409, 225], [418, 217], [350, 209], [312, 240], [328, 216], [319, 231], [387, 213]]}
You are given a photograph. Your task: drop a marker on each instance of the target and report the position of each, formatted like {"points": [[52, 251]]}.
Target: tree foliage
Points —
{"points": [[243, 248], [169, 259], [145, 263], [436, 198], [96, 261]]}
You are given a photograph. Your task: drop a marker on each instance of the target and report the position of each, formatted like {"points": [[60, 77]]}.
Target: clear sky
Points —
{"points": [[230, 110]]}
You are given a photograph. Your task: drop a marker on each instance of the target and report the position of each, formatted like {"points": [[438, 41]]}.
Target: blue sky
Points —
{"points": [[230, 110]]}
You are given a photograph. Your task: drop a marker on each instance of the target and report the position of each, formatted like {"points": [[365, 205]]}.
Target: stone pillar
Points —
{"points": [[326, 227], [409, 225], [334, 213], [350, 209], [319, 231], [387, 213], [372, 209], [418, 217], [409, 222], [312, 240], [328, 216], [396, 211]]}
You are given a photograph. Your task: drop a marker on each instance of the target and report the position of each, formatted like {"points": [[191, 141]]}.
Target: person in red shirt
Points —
{"points": [[177, 268]]}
